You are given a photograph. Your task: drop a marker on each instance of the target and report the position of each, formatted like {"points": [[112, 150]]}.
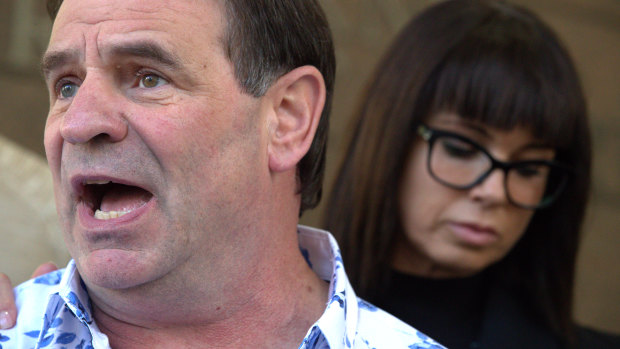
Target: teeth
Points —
{"points": [[97, 182], [105, 215]]}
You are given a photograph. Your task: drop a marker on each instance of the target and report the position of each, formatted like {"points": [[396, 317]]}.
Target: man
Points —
{"points": [[185, 138]]}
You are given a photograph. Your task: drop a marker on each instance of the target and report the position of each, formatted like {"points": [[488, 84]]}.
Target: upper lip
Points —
{"points": [[79, 182]]}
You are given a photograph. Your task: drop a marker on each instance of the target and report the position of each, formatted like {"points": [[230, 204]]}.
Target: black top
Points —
{"points": [[448, 310], [476, 313]]}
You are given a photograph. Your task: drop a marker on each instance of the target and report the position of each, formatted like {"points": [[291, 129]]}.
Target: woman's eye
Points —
{"points": [[151, 81], [459, 149], [68, 89], [530, 171]]}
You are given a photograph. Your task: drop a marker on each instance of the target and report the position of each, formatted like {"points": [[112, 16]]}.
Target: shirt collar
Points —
{"points": [[338, 324], [339, 321], [71, 294]]}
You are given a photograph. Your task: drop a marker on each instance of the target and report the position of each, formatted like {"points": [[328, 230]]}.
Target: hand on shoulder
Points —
{"points": [[8, 310]]}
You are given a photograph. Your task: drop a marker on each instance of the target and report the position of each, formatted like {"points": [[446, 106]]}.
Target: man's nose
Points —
{"points": [[95, 112], [492, 189]]}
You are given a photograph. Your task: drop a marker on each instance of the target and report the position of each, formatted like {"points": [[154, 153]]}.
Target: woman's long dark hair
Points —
{"points": [[488, 61]]}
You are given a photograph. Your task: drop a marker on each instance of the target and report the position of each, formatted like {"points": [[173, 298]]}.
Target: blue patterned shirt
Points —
{"points": [[55, 310]]}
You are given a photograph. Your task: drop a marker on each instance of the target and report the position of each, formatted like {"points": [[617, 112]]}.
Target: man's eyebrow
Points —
{"points": [[148, 50], [143, 49], [54, 59]]}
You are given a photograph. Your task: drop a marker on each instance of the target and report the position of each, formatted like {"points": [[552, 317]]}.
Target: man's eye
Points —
{"points": [[151, 81], [68, 89]]}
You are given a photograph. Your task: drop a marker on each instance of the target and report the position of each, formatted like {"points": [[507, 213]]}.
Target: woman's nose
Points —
{"points": [[492, 189]]}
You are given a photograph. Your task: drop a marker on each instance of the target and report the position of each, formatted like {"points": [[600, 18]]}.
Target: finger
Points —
{"points": [[44, 269], [8, 311]]}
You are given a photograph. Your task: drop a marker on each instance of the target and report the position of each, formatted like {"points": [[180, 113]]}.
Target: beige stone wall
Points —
{"points": [[362, 29], [28, 225]]}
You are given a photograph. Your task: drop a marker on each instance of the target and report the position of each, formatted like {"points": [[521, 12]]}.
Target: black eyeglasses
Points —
{"points": [[460, 163]]}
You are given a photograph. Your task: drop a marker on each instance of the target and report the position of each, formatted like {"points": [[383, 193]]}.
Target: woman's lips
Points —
{"points": [[473, 234]]}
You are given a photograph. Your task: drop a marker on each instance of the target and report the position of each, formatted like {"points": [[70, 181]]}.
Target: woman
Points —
{"points": [[459, 204]]}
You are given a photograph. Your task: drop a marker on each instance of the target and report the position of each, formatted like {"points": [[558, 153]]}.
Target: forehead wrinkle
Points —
{"points": [[55, 58], [147, 46]]}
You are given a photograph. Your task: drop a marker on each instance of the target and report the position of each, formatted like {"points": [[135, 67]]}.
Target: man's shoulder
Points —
{"points": [[38, 289], [380, 329]]}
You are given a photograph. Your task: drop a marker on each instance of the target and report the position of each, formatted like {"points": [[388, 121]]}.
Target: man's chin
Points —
{"points": [[112, 269]]}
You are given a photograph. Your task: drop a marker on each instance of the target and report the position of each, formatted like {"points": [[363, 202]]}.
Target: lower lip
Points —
{"points": [[89, 222], [472, 236]]}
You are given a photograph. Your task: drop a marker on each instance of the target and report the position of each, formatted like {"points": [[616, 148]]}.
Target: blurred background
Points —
{"points": [[362, 29]]}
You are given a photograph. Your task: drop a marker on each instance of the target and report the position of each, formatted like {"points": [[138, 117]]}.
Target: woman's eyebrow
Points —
{"points": [[472, 126], [537, 145], [477, 129]]}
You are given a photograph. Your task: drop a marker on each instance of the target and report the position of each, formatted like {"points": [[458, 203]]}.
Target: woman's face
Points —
{"points": [[456, 233]]}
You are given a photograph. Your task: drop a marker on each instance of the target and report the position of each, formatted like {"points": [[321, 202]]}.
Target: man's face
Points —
{"points": [[157, 156]]}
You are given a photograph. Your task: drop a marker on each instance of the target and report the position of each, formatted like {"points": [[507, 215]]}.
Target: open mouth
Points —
{"points": [[109, 200]]}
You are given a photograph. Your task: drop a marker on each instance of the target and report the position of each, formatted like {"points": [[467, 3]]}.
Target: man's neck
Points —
{"points": [[274, 308]]}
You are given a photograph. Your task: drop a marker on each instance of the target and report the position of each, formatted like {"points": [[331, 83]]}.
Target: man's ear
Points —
{"points": [[297, 99]]}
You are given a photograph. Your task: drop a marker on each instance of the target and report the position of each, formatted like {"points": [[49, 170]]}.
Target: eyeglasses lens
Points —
{"points": [[457, 163], [526, 184]]}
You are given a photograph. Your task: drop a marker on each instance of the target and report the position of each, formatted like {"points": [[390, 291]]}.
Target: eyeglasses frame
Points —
{"points": [[429, 135]]}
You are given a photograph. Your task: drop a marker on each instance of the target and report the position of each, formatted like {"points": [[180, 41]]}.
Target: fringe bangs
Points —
{"points": [[506, 84]]}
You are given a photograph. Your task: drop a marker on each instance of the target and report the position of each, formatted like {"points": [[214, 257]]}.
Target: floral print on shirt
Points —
{"points": [[55, 310]]}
